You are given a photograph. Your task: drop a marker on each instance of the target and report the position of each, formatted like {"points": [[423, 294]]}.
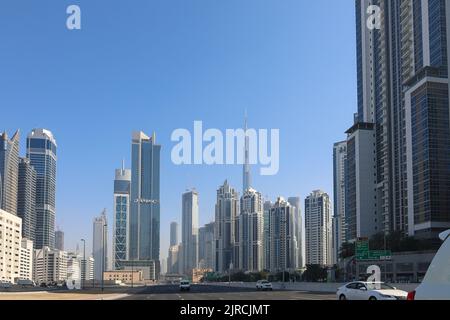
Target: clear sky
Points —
{"points": [[158, 65]]}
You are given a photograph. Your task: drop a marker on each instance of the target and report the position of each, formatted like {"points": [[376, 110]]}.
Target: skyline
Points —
{"points": [[111, 112]]}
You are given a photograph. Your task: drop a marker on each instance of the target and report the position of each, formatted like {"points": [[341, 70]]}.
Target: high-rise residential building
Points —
{"points": [[338, 223], [189, 231], [282, 240], [174, 234], [318, 229], [9, 170], [173, 260], [361, 215], [59, 240], [50, 265], [227, 209], [74, 264], [41, 150], [26, 199], [99, 245], [10, 246], [246, 176], [144, 232], [122, 189], [250, 224], [298, 230], [266, 235], [26, 260], [403, 90], [206, 246]]}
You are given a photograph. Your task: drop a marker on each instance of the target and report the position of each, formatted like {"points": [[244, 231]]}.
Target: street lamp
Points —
{"points": [[83, 265]]}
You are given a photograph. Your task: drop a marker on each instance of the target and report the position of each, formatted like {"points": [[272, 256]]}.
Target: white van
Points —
{"points": [[436, 284]]}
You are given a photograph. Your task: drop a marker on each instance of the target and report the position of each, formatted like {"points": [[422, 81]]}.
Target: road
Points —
{"points": [[213, 292]]}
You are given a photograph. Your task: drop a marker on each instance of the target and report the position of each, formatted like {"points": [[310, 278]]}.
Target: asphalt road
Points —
{"points": [[212, 292]]}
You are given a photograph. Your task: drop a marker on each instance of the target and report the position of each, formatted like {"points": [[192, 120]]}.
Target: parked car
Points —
{"points": [[26, 283], [436, 284], [185, 285], [264, 285], [360, 290], [5, 284]]}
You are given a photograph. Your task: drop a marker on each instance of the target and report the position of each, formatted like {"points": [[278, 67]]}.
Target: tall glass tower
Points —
{"points": [[9, 168], [41, 150], [145, 196]]}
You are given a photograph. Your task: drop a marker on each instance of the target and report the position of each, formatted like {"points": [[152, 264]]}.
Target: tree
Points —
{"points": [[315, 273]]}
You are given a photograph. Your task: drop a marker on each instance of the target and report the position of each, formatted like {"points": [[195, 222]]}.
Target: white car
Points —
{"points": [[359, 290], [185, 285], [436, 284], [264, 285]]}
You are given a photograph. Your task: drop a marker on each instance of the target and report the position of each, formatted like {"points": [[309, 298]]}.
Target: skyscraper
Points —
{"points": [[100, 245], [174, 234], [144, 231], [9, 170], [298, 230], [227, 209], [173, 260], [26, 199], [266, 235], [189, 233], [122, 185], [339, 225], [281, 237], [246, 177], [403, 90], [41, 150], [318, 229], [250, 232], [206, 246], [59, 240]]}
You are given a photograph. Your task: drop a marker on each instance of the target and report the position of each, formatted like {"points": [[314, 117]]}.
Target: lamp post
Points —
{"points": [[83, 265]]}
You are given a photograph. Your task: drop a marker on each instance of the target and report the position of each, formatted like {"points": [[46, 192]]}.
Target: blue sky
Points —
{"points": [[158, 65]]}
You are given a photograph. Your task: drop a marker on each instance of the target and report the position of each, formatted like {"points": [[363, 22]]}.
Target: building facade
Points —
{"points": [[26, 260], [50, 265], [318, 229], [298, 232], [206, 246], [26, 198], [189, 231], [249, 232], [59, 240], [144, 234], [174, 234], [227, 209], [10, 246], [339, 223], [122, 189], [41, 150], [9, 169], [100, 245]]}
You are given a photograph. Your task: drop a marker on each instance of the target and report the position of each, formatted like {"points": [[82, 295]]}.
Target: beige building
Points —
{"points": [[124, 276], [49, 265], [198, 274], [10, 246], [26, 260]]}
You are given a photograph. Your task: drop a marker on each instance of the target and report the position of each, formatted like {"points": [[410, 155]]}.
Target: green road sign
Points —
{"points": [[363, 253]]}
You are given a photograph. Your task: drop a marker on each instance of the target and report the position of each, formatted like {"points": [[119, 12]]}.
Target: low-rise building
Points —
{"points": [[49, 265], [26, 260], [10, 246], [124, 276]]}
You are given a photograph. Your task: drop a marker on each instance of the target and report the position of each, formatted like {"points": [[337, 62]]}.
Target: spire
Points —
{"points": [[246, 179]]}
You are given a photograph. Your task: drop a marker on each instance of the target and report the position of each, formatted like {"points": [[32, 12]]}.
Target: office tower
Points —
{"points": [[250, 232], [282, 241], [361, 218], [174, 234], [403, 91], [122, 188], [26, 259], [26, 199], [227, 208], [10, 246], [59, 240], [50, 265], [318, 229], [41, 150], [206, 246], [9, 170], [246, 176], [266, 235], [298, 230], [173, 260], [189, 231], [99, 245], [145, 203], [338, 223]]}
